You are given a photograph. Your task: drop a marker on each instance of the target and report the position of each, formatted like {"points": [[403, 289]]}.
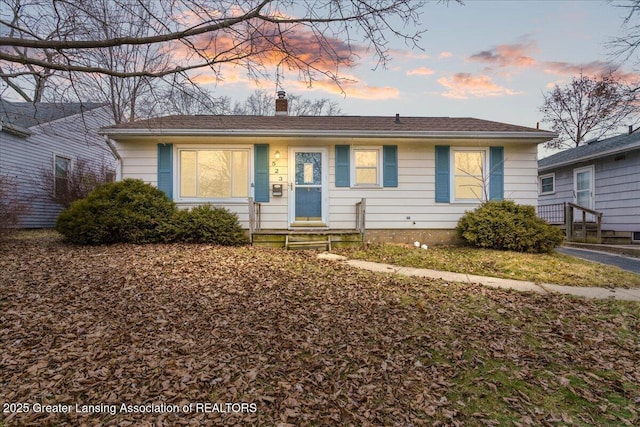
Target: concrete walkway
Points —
{"points": [[494, 282]]}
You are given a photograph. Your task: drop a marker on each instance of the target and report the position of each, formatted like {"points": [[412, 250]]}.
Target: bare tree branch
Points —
{"points": [[52, 35], [587, 107]]}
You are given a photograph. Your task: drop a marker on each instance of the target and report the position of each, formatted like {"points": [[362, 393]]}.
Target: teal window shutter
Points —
{"points": [[390, 165], [442, 174], [342, 166], [165, 169], [496, 173], [261, 172]]}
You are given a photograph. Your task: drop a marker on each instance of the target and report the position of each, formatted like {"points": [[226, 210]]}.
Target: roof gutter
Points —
{"points": [[542, 136], [117, 156], [15, 130], [591, 157]]}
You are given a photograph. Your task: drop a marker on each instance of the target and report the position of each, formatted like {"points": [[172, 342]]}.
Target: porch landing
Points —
{"points": [[307, 238]]}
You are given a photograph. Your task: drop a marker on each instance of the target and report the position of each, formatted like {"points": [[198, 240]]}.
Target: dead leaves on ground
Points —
{"points": [[307, 342]]}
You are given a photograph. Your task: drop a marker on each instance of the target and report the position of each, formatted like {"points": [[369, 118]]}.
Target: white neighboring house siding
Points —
{"points": [[25, 159], [387, 208]]}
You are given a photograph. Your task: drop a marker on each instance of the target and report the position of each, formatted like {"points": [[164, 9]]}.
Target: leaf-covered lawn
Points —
{"points": [[308, 342], [553, 268]]}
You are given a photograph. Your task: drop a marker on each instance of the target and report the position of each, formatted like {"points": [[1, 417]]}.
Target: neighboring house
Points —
{"points": [[600, 175], [417, 174], [43, 141]]}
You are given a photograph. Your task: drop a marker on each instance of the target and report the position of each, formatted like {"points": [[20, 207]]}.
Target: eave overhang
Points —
{"points": [[15, 130], [532, 137], [588, 158]]}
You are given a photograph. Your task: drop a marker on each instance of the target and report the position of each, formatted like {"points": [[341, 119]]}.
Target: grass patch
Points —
{"points": [[553, 268]]}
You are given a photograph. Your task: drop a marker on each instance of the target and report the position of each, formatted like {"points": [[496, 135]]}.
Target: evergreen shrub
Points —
{"points": [[204, 224], [128, 211], [505, 225]]}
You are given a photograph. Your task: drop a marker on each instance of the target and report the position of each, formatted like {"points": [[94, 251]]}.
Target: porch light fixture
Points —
{"points": [[277, 155]]}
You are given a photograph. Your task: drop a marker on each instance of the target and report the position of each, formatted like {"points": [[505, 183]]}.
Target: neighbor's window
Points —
{"points": [[214, 174], [547, 184], [61, 171], [469, 174], [367, 166]]}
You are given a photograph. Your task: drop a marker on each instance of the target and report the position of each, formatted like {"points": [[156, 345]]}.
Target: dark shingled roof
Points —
{"points": [[591, 150], [28, 114], [323, 123]]}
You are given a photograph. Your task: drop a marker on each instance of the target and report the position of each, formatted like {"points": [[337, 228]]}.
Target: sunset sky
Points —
{"points": [[486, 59]]}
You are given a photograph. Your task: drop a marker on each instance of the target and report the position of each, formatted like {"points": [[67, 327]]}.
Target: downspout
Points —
{"points": [[115, 153]]}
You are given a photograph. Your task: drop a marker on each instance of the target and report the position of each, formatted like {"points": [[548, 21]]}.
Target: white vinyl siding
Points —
{"points": [[410, 205]]}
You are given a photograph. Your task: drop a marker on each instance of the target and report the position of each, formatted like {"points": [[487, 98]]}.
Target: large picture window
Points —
{"points": [[214, 174], [469, 174]]}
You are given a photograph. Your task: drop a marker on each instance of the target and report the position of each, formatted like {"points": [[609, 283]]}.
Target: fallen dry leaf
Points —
{"points": [[307, 342]]}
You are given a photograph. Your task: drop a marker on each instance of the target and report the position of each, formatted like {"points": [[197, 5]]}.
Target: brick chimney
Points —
{"points": [[282, 104]]}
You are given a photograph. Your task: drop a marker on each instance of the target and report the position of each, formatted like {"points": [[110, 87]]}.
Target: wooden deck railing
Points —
{"points": [[254, 217], [585, 211], [563, 214], [361, 216]]}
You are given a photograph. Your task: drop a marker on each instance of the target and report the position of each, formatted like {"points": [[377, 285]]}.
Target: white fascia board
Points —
{"points": [[114, 133], [594, 156]]}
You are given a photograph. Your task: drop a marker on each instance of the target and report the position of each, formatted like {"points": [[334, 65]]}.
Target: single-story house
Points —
{"points": [[44, 141], [416, 175], [601, 175]]}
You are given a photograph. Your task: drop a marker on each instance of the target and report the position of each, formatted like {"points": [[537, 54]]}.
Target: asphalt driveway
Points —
{"points": [[621, 261]]}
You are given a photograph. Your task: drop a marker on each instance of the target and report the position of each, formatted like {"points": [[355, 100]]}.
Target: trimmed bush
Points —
{"points": [[506, 225], [129, 211], [205, 224]]}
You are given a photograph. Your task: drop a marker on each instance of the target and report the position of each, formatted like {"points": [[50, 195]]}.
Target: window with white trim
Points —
{"points": [[469, 174], [366, 167], [547, 184], [61, 172], [213, 173]]}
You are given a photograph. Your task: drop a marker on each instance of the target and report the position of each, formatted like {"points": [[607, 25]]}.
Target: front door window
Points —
{"points": [[308, 186]]}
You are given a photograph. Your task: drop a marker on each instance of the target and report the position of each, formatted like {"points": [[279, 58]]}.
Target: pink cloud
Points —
{"points": [[421, 71], [355, 88], [593, 68], [259, 43], [465, 85], [445, 54], [508, 55]]}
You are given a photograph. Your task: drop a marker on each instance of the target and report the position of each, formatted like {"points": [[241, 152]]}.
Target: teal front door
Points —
{"points": [[308, 187]]}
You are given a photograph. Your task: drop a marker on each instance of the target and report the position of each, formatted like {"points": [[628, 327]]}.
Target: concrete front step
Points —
{"points": [[307, 239]]}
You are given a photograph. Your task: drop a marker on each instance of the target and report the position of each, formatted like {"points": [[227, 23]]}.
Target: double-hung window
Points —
{"points": [[221, 173], [469, 174], [547, 184], [366, 167], [61, 171]]}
